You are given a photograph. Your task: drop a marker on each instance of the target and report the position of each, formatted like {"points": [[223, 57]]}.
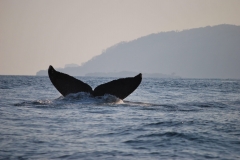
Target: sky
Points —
{"points": [[39, 33]]}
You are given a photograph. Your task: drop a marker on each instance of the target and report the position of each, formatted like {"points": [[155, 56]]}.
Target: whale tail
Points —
{"points": [[120, 88], [66, 84]]}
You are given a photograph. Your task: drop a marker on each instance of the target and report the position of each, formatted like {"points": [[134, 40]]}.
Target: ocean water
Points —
{"points": [[161, 119]]}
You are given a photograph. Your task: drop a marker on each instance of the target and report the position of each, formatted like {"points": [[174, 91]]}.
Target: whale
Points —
{"points": [[120, 88]]}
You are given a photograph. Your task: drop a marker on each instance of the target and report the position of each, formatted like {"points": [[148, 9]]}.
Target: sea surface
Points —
{"points": [[161, 119]]}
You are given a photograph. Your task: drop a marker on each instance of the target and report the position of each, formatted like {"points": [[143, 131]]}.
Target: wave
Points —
{"points": [[80, 98], [86, 99], [143, 104], [35, 103]]}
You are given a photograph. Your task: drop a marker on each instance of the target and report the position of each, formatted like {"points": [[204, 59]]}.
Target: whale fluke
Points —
{"points": [[120, 88], [66, 84]]}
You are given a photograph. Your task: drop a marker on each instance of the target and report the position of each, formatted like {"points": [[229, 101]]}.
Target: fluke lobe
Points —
{"points": [[120, 88]]}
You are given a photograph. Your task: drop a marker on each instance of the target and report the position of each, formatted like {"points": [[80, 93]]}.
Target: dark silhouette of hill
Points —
{"points": [[208, 52], [129, 74]]}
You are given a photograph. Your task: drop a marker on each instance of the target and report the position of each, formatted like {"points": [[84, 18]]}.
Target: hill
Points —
{"points": [[208, 52]]}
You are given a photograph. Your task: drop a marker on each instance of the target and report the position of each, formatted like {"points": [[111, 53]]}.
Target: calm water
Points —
{"points": [[162, 119]]}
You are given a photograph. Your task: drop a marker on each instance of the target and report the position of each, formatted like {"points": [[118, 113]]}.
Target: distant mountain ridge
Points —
{"points": [[207, 52], [130, 74]]}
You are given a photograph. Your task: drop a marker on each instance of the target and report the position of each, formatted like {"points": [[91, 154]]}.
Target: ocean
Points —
{"points": [[161, 119]]}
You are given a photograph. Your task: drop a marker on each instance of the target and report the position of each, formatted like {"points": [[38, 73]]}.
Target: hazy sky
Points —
{"points": [[37, 33]]}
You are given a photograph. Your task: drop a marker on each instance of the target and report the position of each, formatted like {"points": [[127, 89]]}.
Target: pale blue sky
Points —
{"points": [[35, 34]]}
